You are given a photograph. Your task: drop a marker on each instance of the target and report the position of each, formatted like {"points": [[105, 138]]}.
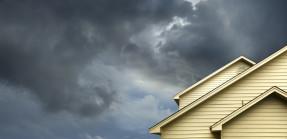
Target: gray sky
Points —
{"points": [[106, 69]]}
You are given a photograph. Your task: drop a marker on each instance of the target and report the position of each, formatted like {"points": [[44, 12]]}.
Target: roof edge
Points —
{"points": [[218, 125], [242, 58], [216, 90]]}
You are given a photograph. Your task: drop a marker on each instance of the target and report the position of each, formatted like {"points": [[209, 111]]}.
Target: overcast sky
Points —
{"points": [[107, 69]]}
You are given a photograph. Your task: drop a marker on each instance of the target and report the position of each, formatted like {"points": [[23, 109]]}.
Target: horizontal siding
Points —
{"points": [[255, 123], [230, 99], [211, 83]]}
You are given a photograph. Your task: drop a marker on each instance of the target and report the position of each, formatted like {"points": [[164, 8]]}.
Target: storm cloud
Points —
{"points": [[44, 45], [109, 58]]}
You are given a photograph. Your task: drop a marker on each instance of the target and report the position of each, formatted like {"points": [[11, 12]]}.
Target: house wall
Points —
{"points": [[265, 120], [196, 122], [212, 83]]}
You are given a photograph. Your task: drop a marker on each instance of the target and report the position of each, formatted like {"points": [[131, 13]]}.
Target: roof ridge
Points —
{"points": [[194, 101], [224, 85], [250, 62], [238, 111]]}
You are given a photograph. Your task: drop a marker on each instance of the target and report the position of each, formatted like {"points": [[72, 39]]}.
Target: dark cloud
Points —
{"points": [[220, 31], [44, 45], [264, 22]]}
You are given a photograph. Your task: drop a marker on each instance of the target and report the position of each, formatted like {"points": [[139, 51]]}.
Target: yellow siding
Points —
{"points": [[212, 83], [196, 122], [267, 119]]}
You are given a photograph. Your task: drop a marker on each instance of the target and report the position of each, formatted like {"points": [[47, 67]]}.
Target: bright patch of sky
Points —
{"points": [[194, 2], [140, 98], [153, 36]]}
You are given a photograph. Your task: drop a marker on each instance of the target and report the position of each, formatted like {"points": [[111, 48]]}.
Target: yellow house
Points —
{"points": [[242, 100]]}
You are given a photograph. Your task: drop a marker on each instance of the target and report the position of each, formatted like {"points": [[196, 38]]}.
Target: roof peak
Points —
{"points": [[218, 125], [156, 128], [243, 58]]}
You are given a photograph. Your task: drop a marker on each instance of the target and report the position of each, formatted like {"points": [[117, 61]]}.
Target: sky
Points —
{"points": [[108, 69]]}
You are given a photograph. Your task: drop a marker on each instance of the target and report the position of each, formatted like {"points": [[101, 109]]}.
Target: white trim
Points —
{"points": [[218, 125], [155, 129]]}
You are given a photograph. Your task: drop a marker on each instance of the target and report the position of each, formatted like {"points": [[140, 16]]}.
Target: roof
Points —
{"points": [[273, 90], [241, 58], [156, 128]]}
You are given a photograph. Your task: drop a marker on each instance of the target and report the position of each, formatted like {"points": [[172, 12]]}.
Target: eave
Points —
{"points": [[156, 128], [241, 58]]}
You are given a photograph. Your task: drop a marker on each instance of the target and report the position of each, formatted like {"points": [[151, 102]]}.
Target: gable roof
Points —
{"points": [[273, 90], [241, 58], [156, 128]]}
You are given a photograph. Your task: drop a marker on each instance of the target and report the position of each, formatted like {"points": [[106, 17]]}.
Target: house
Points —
{"points": [[242, 100]]}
